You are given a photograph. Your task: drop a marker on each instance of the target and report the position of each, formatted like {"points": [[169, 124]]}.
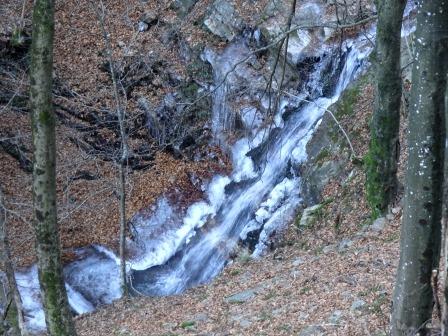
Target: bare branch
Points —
{"points": [[353, 154]]}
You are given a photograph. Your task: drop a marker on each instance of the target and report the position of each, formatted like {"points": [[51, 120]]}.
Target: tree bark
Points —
{"points": [[384, 128], [15, 311], [444, 248], [54, 295], [420, 231]]}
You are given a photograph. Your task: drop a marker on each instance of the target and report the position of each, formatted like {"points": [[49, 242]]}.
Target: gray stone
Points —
{"points": [[328, 249], [298, 261], [335, 317], [347, 295], [379, 224], [295, 274], [396, 210], [275, 7], [169, 101], [344, 245], [184, 6], [201, 317], [242, 321], [309, 216], [313, 330], [241, 297], [149, 18], [169, 325], [142, 26], [299, 41], [357, 305], [321, 173], [222, 20], [308, 14]]}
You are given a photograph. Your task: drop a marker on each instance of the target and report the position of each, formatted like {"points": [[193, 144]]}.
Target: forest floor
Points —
{"points": [[317, 282]]}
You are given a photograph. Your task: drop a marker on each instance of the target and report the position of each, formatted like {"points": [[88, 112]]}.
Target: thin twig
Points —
{"points": [[334, 118]]}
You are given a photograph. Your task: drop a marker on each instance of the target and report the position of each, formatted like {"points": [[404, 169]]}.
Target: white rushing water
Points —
{"points": [[259, 197]]}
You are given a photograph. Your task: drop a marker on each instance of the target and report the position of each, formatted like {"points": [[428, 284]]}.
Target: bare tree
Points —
{"points": [[54, 295], [14, 310], [122, 160]]}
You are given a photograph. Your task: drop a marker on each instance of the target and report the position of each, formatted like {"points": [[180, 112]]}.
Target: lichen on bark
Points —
{"points": [[381, 161], [54, 296]]}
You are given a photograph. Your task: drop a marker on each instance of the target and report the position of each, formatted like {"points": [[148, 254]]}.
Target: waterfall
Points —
{"points": [[259, 197]]}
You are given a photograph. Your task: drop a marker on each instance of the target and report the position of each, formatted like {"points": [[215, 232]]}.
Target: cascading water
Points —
{"points": [[260, 196], [267, 199]]}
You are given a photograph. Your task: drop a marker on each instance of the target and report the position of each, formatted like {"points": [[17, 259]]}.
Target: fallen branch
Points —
{"points": [[16, 150]]}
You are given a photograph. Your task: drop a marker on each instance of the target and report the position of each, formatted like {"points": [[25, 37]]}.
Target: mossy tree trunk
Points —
{"points": [[383, 154], [54, 295], [420, 231]]}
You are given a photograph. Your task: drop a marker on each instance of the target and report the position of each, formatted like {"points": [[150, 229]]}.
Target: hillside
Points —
{"points": [[328, 268], [332, 274]]}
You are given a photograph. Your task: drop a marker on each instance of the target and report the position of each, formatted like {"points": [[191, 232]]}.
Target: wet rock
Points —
{"points": [[223, 21], [297, 44], [251, 118]]}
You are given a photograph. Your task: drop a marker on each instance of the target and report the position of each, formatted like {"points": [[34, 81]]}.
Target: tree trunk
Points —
{"points": [[384, 147], [14, 316], [54, 295], [420, 231], [123, 149], [444, 251], [122, 192]]}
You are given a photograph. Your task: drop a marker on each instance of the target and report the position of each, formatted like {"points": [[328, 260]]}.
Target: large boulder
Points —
{"points": [[307, 14], [183, 7], [310, 216], [222, 20]]}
